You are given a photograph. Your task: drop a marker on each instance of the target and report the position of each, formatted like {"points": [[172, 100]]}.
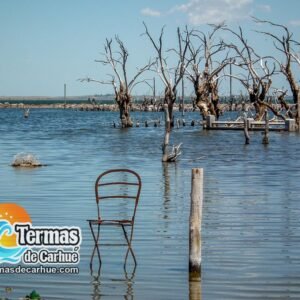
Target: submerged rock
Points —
{"points": [[26, 160]]}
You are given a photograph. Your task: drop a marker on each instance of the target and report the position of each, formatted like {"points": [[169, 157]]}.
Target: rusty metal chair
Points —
{"points": [[125, 189]]}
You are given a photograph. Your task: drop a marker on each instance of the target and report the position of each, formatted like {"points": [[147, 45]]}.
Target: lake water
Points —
{"points": [[251, 223]]}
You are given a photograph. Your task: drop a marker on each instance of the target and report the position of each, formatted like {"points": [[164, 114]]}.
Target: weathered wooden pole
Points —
{"points": [[230, 81], [65, 93], [265, 139], [246, 132], [195, 225]]}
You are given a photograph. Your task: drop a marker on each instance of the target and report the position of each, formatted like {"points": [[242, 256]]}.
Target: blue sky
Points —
{"points": [[47, 43]]}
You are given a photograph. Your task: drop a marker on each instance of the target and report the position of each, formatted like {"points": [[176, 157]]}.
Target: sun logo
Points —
{"points": [[10, 213]]}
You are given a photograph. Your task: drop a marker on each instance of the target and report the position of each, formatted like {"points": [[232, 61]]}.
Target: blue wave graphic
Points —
{"points": [[9, 254], [5, 226]]}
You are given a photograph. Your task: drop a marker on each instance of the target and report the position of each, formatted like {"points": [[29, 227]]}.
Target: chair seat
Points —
{"points": [[111, 222]]}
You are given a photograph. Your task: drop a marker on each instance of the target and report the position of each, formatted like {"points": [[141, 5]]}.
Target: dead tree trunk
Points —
{"points": [[167, 134], [285, 44], [125, 115], [124, 104], [170, 79], [259, 78], [117, 60], [205, 81], [265, 140], [246, 132], [170, 99]]}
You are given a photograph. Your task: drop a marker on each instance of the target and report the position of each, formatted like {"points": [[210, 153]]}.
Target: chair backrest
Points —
{"points": [[122, 184]]}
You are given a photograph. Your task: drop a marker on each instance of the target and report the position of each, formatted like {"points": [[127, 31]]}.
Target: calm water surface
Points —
{"points": [[251, 225]]}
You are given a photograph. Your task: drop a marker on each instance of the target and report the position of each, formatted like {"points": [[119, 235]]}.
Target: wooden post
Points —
{"points": [[249, 121], [246, 132], [230, 81], [195, 225], [210, 119], [290, 125], [265, 140]]}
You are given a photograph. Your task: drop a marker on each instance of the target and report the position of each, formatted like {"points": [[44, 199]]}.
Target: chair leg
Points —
{"points": [[129, 246], [96, 246]]}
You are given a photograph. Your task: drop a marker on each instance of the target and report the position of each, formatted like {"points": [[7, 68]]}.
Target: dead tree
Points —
{"points": [[255, 76], [284, 106], [206, 80], [285, 44], [119, 80], [171, 77]]}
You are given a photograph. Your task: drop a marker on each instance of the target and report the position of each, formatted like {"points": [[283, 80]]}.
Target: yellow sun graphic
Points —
{"points": [[12, 213]]}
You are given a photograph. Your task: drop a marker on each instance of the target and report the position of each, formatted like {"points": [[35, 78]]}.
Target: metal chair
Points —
{"points": [[104, 190]]}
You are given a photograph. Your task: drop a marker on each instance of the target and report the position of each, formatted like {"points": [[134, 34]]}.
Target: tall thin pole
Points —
{"points": [[182, 94], [195, 224], [230, 78], [154, 92], [65, 92]]}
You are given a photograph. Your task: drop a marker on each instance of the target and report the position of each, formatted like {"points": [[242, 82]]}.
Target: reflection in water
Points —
{"points": [[251, 223], [100, 284], [194, 290], [169, 182], [166, 198], [166, 180]]}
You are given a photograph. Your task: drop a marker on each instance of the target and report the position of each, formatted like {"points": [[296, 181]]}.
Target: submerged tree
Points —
{"points": [[255, 75], [206, 80], [119, 80], [285, 44], [171, 77]]}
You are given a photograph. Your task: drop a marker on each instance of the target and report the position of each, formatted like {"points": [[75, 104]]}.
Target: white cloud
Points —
{"points": [[264, 8], [215, 11], [150, 12], [295, 22]]}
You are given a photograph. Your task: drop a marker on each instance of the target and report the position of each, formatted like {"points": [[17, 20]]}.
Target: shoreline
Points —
{"points": [[110, 107]]}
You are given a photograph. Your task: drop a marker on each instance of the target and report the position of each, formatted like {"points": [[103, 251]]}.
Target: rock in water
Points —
{"points": [[26, 160]]}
